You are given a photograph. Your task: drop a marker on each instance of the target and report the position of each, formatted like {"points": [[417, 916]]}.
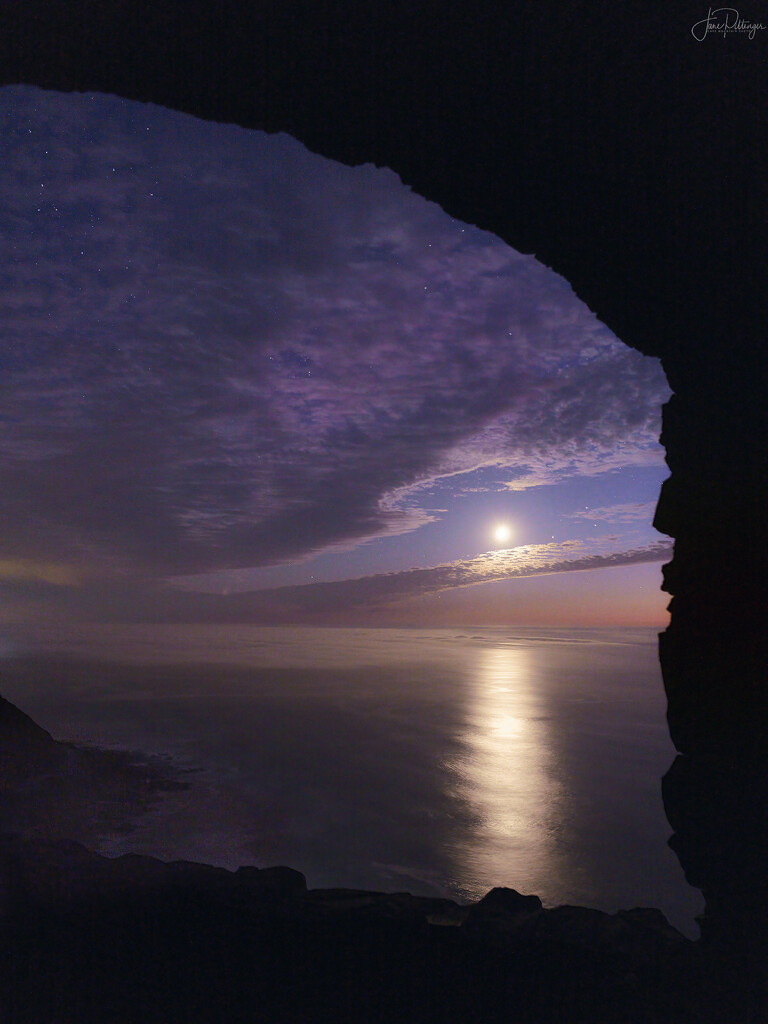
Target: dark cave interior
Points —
{"points": [[626, 155]]}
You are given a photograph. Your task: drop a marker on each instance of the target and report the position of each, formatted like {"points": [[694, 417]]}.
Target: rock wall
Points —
{"points": [[628, 155]]}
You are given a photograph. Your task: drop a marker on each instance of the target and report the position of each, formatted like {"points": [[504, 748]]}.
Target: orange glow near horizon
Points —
{"points": [[626, 596]]}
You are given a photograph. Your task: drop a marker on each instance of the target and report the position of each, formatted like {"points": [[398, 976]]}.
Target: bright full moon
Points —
{"points": [[501, 534]]}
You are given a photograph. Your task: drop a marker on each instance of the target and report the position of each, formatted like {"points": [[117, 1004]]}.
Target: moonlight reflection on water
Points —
{"points": [[509, 776], [423, 760]]}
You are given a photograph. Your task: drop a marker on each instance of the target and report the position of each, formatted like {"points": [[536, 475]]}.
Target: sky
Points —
{"points": [[244, 383]]}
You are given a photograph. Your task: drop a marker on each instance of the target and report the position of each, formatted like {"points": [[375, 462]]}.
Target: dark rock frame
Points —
{"points": [[627, 154]]}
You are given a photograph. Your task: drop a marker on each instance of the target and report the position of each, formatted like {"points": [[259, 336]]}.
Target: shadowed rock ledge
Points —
{"points": [[89, 938], [627, 155], [135, 939], [70, 791]]}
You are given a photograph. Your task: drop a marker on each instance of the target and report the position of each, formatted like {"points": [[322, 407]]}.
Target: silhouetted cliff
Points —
{"points": [[628, 154], [67, 791], [133, 939]]}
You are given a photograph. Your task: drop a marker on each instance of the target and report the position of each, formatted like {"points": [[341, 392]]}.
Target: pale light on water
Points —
{"points": [[507, 774], [426, 760]]}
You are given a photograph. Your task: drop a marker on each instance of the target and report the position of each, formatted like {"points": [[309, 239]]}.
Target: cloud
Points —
{"points": [[224, 351], [639, 512], [512, 563], [318, 602], [22, 570], [147, 601]]}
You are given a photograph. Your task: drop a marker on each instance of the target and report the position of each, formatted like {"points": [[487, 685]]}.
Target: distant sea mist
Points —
{"points": [[437, 761]]}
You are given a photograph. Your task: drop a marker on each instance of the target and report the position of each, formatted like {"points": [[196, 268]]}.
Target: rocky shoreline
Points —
{"points": [[133, 938], [136, 939], [72, 791]]}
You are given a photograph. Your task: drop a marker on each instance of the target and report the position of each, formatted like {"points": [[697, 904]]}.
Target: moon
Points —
{"points": [[502, 533]]}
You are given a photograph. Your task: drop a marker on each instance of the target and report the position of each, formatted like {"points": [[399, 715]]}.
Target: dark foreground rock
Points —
{"points": [[70, 791], [88, 939]]}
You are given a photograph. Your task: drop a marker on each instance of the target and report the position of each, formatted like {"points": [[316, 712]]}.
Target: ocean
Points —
{"points": [[434, 761]]}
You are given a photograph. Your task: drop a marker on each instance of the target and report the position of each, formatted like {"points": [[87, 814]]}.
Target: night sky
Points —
{"points": [[241, 382]]}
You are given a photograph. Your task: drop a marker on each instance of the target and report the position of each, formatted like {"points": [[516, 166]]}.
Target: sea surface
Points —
{"points": [[437, 761]]}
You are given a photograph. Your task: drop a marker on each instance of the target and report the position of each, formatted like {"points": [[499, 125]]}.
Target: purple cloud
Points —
{"points": [[223, 351], [639, 512], [513, 563]]}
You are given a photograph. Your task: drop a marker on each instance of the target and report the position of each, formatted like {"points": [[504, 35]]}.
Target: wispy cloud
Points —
{"points": [[110, 600], [318, 601], [639, 512], [530, 560], [24, 570]]}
